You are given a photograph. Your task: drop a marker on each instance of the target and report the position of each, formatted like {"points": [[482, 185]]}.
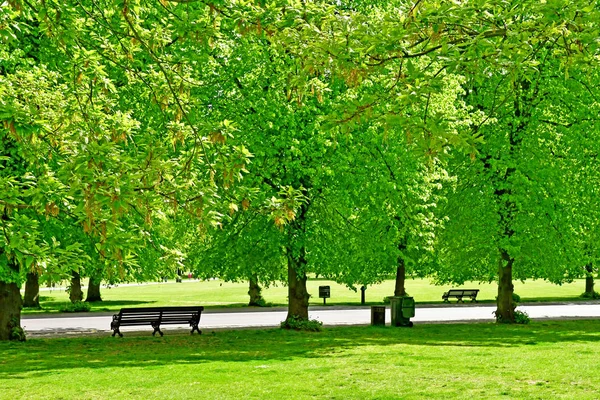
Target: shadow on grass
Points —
{"points": [[107, 305], [44, 356], [114, 304]]}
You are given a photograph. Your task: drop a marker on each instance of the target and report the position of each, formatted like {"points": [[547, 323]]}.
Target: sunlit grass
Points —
{"points": [[215, 293], [544, 360]]}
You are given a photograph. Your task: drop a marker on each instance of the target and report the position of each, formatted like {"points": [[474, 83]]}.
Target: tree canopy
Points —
{"points": [[249, 138]]}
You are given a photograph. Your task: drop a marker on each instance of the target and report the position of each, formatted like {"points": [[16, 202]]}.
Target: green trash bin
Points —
{"points": [[403, 309]]}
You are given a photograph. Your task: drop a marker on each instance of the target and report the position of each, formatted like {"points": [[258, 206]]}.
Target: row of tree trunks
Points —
{"points": [[31, 297]]}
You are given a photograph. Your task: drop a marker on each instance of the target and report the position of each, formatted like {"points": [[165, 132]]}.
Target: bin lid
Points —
{"points": [[408, 301]]}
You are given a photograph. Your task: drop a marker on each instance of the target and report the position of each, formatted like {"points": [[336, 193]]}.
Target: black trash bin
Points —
{"points": [[378, 315], [403, 309], [324, 293]]}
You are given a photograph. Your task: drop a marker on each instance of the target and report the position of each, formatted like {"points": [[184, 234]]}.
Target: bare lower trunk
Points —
{"points": [[10, 312], [75, 293], [254, 291], [93, 292], [589, 280], [505, 311], [589, 284], [400, 289], [297, 294], [31, 298]]}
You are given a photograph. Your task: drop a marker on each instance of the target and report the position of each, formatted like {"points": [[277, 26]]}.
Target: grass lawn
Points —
{"points": [[544, 360], [225, 294]]}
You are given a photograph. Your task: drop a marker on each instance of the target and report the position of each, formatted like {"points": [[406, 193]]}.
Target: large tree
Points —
{"points": [[512, 215], [111, 109], [95, 127]]}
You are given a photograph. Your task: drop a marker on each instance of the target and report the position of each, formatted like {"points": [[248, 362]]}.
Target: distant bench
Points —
{"points": [[460, 293], [155, 317]]}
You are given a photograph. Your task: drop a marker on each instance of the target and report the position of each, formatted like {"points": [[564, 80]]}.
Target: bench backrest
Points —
{"points": [[462, 292], [161, 313]]}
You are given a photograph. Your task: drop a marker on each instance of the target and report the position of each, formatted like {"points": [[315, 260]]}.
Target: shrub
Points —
{"points": [[516, 299], [521, 317], [260, 303], [591, 296], [78, 306], [300, 324], [16, 332]]}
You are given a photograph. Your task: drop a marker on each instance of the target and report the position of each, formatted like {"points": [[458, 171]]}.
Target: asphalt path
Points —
{"points": [[53, 325]]}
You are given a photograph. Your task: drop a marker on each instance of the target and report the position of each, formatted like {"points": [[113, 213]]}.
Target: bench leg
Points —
{"points": [[157, 329], [117, 331], [460, 300], [195, 328]]}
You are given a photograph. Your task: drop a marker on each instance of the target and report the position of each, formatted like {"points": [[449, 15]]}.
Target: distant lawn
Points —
{"points": [[544, 360], [223, 294]]}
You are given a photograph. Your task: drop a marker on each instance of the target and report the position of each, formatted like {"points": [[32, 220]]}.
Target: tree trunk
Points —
{"points": [[400, 289], [254, 291], [297, 294], [10, 312], [93, 292], [75, 293], [32, 291], [522, 106], [505, 311], [589, 281]]}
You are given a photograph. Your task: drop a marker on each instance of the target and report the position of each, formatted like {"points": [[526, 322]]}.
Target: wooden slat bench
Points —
{"points": [[157, 316], [460, 293]]}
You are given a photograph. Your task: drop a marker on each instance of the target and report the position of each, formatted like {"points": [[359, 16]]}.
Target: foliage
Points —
{"points": [[301, 324], [316, 135], [78, 306], [261, 303], [591, 296], [521, 317], [16, 332], [516, 298]]}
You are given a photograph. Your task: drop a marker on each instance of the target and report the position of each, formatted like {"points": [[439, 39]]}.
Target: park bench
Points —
{"points": [[155, 317], [460, 293]]}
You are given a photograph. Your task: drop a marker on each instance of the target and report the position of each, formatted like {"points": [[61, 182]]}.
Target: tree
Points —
{"points": [[90, 131], [111, 110], [515, 197]]}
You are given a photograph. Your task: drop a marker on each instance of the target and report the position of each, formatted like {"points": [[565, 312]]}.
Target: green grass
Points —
{"points": [[225, 294], [543, 360]]}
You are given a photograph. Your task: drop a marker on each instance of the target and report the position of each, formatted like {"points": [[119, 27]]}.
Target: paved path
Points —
{"points": [[231, 319]]}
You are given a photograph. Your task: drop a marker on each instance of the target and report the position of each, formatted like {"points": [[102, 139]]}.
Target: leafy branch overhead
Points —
{"points": [[347, 138]]}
